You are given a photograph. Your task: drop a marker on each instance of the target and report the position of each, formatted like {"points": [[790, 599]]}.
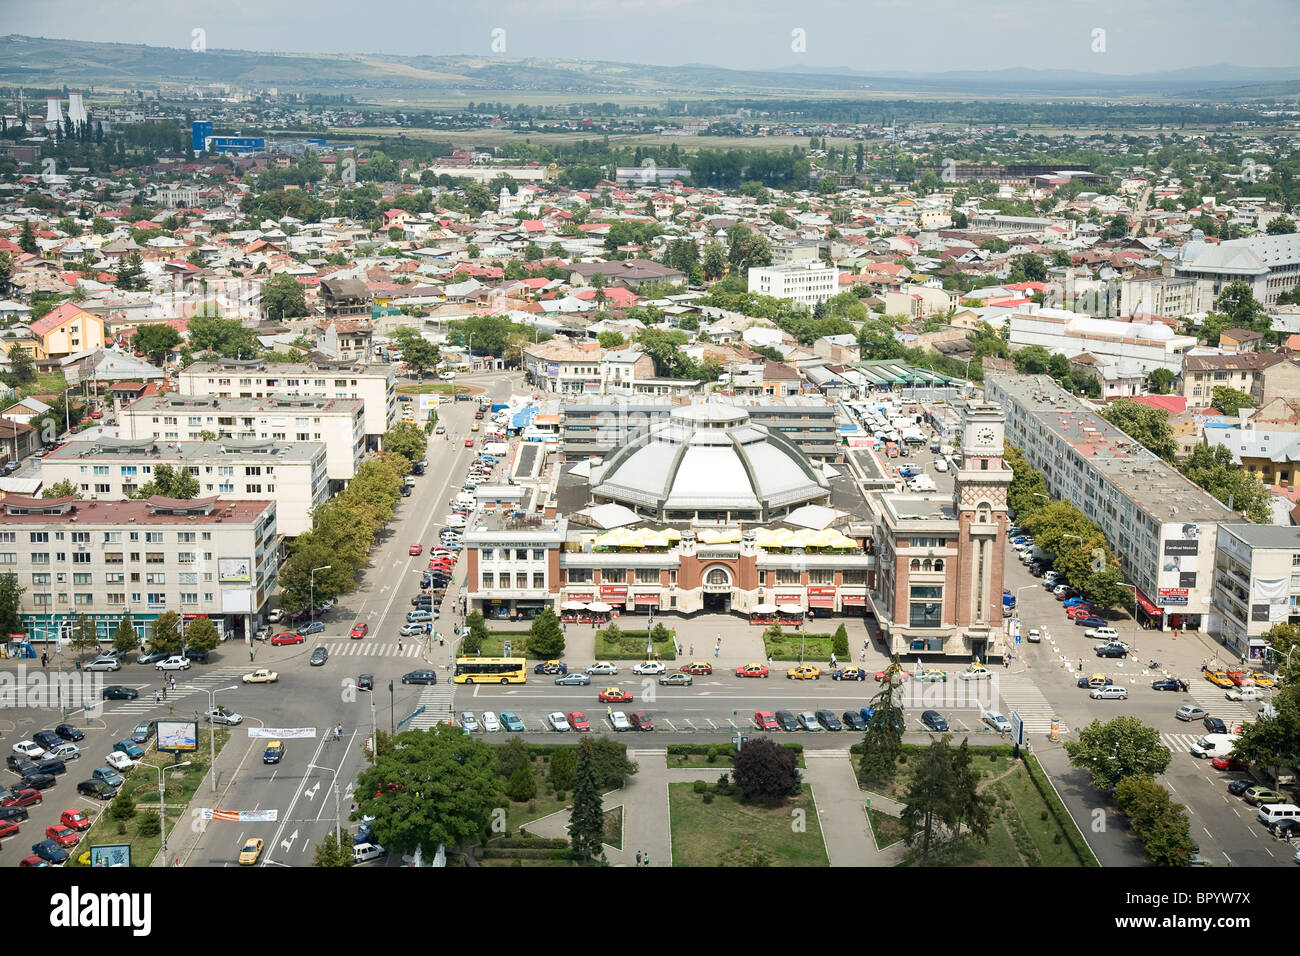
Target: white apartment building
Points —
{"points": [[1256, 585], [374, 383], [339, 423], [1161, 526], [137, 559], [1151, 346], [806, 284], [1270, 265], [111, 469]]}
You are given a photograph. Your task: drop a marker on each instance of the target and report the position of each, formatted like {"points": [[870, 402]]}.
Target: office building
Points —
{"points": [[804, 283], [1270, 265], [1256, 585]]}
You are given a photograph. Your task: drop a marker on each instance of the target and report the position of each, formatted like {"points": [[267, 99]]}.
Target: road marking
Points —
{"points": [[287, 844], [311, 794]]}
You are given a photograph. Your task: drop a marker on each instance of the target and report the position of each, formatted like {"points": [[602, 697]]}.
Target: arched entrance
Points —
{"points": [[717, 589]]}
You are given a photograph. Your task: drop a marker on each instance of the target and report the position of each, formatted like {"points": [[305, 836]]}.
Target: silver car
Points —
{"points": [[468, 722], [808, 721], [996, 721], [490, 723], [104, 664], [602, 667]]}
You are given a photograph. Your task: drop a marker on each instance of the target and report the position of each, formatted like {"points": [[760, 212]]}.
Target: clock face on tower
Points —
{"points": [[985, 435]]}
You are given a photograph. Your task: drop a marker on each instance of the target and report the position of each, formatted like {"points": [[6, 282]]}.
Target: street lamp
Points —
{"points": [[212, 727], [162, 807], [338, 820], [323, 567]]}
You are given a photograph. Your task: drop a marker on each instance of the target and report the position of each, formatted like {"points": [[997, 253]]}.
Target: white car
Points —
{"points": [[618, 720], [558, 721], [468, 722], [174, 663], [490, 723], [275, 615], [649, 667], [996, 721], [1034, 635], [119, 761], [602, 667], [415, 627], [975, 672], [104, 664], [1113, 692], [29, 748], [940, 465], [62, 752]]}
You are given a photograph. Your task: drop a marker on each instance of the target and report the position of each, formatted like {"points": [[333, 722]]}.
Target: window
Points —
{"points": [[81, 557], [113, 557], [647, 575], [153, 537], [185, 537], [539, 554], [43, 578], [539, 580], [42, 600], [821, 576], [8, 537], [521, 580], [157, 597], [580, 576], [81, 577], [102, 489], [40, 557], [84, 600], [489, 580], [521, 554], [39, 537], [189, 597], [155, 577], [787, 576], [114, 577], [153, 557], [115, 597]]}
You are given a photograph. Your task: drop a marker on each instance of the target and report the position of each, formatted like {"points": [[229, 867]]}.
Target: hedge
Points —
{"points": [[1063, 818], [704, 749], [527, 841], [492, 853]]}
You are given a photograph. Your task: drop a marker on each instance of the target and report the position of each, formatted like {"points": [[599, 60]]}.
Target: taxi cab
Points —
{"points": [[614, 695], [803, 672], [251, 852], [932, 674], [849, 673], [1219, 678], [752, 670], [274, 752], [698, 668]]}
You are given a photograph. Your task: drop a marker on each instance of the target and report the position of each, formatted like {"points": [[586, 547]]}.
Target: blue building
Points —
{"points": [[236, 145], [200, 131]]}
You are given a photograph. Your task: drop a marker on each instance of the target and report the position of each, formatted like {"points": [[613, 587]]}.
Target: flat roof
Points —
{"points": [[230, 366], [1274, 536], [86, 513], [235, 404], [150, 449], [1157, 487]]}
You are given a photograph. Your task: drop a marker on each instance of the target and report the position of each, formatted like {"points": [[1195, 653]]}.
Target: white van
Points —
{"points": [[466, 499], [1215, 745], [495, 448], [1277, 812], [365, 852]]}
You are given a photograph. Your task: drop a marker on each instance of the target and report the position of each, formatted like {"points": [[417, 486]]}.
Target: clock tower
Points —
{"points": [[981, 502]]}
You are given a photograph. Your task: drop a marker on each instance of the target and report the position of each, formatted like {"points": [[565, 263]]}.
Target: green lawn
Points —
{"points": [[438, 388], [715, 833], [887, 830], [816, 649], [631, 647]]}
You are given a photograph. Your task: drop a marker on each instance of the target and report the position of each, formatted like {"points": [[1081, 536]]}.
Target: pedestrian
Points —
{"points": [[399, 645], [1080, 663], [638, 857], [716, 648], [719, 638], [769, 661], [250, 655], [155, 697], [647, 858], [862, 656], [45, 659], [164, 691]]}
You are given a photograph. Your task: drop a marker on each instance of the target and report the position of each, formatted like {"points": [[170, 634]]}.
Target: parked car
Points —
{"points": [[640, 720], [935, 721], [104, 663], [511, 722], [129, 747], [558, 722], [551, 667], [1169, 683], [420, 677], [286, 637], [786, 721], [151, 657], [50, 852], [602, 667], [143, 731], [1190, 712], [223, 715], [490, 723], [196, 657], [69, 732], [28, 748], [62, 751], [996, 721], [311, 627], [853, 720], [468, 722], [828, 720], [1111, 650]]}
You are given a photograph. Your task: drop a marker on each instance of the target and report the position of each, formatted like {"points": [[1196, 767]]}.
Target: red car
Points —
{"points": [[1078, 611], [287, 637], [1240, 678], [1227, 762], [752, 670], [578, 721], [63, 836], [7, 828], [698, 667], [359, 630], [32, 860], [765, 720], [415, 549], [96, 415], [640, 721], [22, 797], [612, 695], [469, 443], [75, 819], [441, 565]]}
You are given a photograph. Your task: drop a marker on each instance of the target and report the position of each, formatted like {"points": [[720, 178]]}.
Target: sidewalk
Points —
{"points": [[842, 813]]}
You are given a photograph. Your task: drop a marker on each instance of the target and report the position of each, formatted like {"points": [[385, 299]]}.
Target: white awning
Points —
{"points": [[600, 607], [763, 609], [792, 609]]}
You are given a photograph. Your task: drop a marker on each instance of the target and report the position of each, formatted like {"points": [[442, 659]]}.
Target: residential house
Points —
{"points": [[344, 298], [63, 331]]}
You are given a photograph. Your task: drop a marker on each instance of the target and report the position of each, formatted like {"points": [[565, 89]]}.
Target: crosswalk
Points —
{"points": [[350, 648], [1207, 695], [187, 686], [1021, 695], [436, 699], [1179, 743]]}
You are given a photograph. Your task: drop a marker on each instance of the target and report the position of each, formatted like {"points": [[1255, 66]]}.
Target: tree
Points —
{"points": [[545, 636], [1214, 470], [522, 785], [929, 795], [333, 852], [61, 489], [478, 632], [129, 275], [227, 337], [746, 248], [968, 806], [407, 440], [156, 341], [437, 787], [21, 367], [169, 482], [84, 637], [609, 760], [1272, 742], [562, 768], [11, 596], [714, 261], [1160, 823], [1229, 400], [587, 819], [1032, 360], [27, 239], [1280, 226], [283, 297], [610, 339], [1026, 484], [1121, 747], [201, 635], [419, 354], [1237, 301], [1145, 425], [765, 772], [883, 740], [1160, 381], [125, 638], [165, 638], [1116, 228]]}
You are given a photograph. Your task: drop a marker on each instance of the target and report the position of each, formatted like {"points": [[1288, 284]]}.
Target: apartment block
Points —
{"points": [[1161, 526], [375, 383], [338, 423], [110, 469], [1256, 585], [806, 284], [110, 560]]}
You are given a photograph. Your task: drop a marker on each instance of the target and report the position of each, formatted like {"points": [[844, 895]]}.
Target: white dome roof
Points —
{"points": [[1156, 331]]}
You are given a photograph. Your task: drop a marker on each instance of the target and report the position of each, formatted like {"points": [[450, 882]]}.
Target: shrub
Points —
{"points": [[150, 826], [841, 646], [765, 772], [559, 794], [521, 786], [700, 786], [708, 797]]}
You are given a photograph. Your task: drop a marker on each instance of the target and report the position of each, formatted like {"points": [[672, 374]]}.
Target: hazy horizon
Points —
{"points": [[1140, 36]]}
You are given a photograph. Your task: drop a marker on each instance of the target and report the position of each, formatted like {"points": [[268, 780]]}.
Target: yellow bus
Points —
{"points": [[491, 670]]}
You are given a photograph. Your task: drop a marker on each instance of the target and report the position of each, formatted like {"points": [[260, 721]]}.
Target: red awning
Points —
{"points": [[853, 599], [1147, 605], [647, 599], [821, 600], [613, 590]]}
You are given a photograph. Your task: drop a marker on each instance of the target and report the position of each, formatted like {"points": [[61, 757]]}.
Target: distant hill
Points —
{"points": [[36, 61]]}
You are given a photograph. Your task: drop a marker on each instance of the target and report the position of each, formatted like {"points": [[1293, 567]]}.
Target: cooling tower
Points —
{"points": [[53, 113], [76, 109]]}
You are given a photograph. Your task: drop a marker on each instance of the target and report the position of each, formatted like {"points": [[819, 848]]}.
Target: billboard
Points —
{"points": [[1178, 563], [111, 854], [234, 570], [178, 736], [1173, 595]]}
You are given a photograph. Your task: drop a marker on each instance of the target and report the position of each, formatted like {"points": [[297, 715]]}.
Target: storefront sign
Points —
{"points": [[614, 590], [647, 599], [584, 596], [788, 598], [821, 597], [1173, 595], [857, 599]]}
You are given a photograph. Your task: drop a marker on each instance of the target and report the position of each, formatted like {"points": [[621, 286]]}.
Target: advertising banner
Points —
{"points": [[178, 736], [234, 570]]}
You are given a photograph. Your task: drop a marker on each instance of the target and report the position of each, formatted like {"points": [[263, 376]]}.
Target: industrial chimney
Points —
{"points": [[53, 113], [76, 110]]}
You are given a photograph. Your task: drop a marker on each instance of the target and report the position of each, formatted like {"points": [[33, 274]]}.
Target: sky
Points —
{"points": [[924, 36]]}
